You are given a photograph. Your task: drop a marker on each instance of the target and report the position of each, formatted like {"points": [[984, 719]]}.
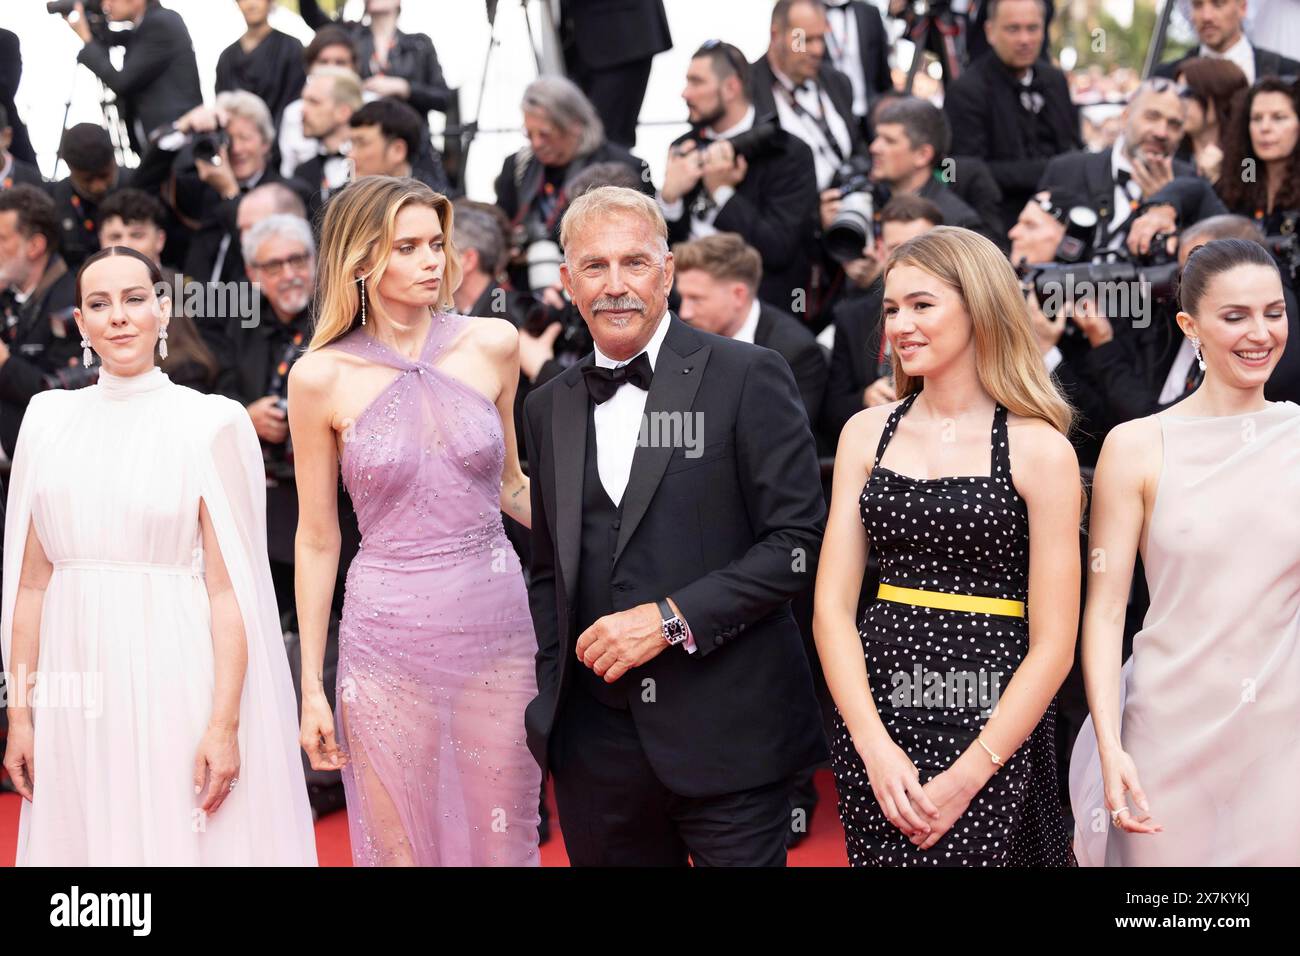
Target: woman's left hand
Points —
{"points": [[217, 762], [952, 795]]}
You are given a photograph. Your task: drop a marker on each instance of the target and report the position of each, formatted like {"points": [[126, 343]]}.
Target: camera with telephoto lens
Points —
{"points": [[755, 140], [1285, 247], [540, 253], [95, 19], [854, 227], [1127, 286]]}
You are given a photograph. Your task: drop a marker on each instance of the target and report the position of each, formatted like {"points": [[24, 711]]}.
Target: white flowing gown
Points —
{"points": [[111, 477]]}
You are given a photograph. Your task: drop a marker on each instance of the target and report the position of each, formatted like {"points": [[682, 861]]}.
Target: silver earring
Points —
{"points": [[1200, 359], [87, 356], [362, 280], [162, 343]]}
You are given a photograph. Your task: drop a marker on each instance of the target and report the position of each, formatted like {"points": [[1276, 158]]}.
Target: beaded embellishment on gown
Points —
{"points": [[436, 644]]}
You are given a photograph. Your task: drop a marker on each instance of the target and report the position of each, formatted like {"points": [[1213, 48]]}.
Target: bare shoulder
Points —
{"points": [[1037, 445], [316, 373], [495, 337], [861, 433], [1132, 449]]}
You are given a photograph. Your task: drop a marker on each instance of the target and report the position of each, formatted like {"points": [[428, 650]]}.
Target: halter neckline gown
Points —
{"points": [[959, 535], [436, 643]]}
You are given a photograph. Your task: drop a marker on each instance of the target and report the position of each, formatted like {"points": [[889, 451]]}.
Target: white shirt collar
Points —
{"points": [[1239, 51], [1119, 158], [745, 123], [651, 349], [746, 332], [781, 78]]}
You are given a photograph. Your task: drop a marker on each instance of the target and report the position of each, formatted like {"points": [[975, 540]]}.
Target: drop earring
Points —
{"points": [[1200, 359], [362, 280], [162, 343], [87, 356]]}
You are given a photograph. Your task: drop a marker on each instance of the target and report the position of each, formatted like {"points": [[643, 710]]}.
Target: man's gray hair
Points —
{"points": [[597, 204], [479, 230], [565, 105], [251, 107], [281, 226]]}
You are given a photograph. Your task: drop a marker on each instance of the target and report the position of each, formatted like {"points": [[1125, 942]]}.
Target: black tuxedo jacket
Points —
{"points": [[873, 49], [159, 79], [853, 358], [1088, 174], [600, 34], [838, 87], [783, 333], [724, 533], [988, 122], [1267, 63], [774, 210]]}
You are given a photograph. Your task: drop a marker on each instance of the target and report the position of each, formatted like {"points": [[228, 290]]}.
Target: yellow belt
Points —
{"points": [[951, 602]]}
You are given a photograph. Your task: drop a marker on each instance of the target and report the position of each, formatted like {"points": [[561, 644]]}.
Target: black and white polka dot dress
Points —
{"points": [[935, 674]]}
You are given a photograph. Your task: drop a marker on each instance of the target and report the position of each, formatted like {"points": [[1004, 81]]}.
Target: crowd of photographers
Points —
{"points": [[800, 172]]}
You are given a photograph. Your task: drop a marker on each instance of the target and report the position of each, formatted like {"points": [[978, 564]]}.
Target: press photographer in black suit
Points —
{"points": [[766, 191], [675, 701], [159, 79]]}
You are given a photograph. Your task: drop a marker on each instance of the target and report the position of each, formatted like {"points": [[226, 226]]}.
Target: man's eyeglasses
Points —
{"points": [[274, 267]]}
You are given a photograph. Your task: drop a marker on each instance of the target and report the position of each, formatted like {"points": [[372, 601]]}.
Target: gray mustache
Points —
{"points": [[628, 301]]}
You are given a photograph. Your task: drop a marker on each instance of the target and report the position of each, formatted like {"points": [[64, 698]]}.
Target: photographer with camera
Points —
{"points": [[92, 174], [1118, 181], [736, 171], [159, 78], [565, 137], [39, 344]]}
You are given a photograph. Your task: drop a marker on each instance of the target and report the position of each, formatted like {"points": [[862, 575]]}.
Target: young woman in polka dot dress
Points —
{"points": [[969, 494]]}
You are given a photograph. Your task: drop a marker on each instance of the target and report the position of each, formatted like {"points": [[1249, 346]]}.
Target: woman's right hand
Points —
{"points": [[20, 761], [317, 737], [896, 783], [1120, 777]]}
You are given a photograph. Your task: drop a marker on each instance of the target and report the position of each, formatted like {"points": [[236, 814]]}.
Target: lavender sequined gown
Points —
{"points": [[436, 645]]}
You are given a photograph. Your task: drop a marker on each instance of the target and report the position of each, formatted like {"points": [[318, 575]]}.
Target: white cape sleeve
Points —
{"points": [[232, 481]]}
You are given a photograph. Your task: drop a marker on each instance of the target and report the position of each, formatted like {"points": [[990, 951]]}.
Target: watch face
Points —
{"points": [[674, 631]]}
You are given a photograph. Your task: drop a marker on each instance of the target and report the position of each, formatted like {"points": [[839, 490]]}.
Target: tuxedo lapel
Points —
{"points": [[569, 445], [678, 372]]}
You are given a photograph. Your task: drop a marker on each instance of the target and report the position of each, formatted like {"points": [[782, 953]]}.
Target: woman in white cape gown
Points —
{"points": [[129, 667]]}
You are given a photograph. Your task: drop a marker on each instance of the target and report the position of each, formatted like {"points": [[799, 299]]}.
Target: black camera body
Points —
{"points": [[95, 19], [207, 146]]}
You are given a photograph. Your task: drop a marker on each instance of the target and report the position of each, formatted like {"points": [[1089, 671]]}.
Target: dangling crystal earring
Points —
{"points": [[87, 356], [162, 343], [1200, 359], [362, 280]]}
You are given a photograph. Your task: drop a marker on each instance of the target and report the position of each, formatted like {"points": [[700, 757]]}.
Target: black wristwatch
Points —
{"points": [[674, 628]]}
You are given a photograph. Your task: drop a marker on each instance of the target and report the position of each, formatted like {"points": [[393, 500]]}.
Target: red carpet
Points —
{"points": [[823, 847]]}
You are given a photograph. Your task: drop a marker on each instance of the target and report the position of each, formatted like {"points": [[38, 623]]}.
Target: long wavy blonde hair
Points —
{"points": [[1007, 359], [357, 238]]}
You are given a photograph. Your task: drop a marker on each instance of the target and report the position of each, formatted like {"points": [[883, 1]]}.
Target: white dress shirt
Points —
{"points": [[1119, 162], [702, 224], [747, 331], [618, 428], [842, 46], [814, 102], [1240, 53]]}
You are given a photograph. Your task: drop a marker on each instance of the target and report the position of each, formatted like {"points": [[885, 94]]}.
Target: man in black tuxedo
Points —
{"points": [[11, 74], [768, 197], [717, 281], [608, 47], [797, 82], [1118, 181], [1012, 108], [858, 46], [675, 702], [1218, 26], [159, 79]]}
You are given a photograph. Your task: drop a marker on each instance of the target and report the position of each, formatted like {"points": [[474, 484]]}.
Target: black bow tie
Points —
{"points": [[602, 382]]}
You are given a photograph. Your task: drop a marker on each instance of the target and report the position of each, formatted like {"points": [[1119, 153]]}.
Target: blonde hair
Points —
{"points": [[346, 88], [601, 201], [357, 237], [1007, 360]]}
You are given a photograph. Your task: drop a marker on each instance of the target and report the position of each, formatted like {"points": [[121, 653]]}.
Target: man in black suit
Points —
{"points": [[330, 97], [858, 46], [912, 139], [768, 197], [14, 170], [159, 79], [811, 99], [40, 347], [1117, 181], [717, 279], [675, 701], [1012, 108], [92, 175], [608, 47], [1218, 25], [11, 74]]}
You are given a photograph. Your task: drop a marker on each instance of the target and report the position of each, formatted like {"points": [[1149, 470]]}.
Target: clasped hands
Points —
{"points": [[618, 642], [926, 813]]}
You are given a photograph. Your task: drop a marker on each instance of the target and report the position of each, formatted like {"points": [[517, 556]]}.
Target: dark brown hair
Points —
{"points": [[1240, 196], [1212, 259], [155, 274], [906, 207], [1213, 81]]}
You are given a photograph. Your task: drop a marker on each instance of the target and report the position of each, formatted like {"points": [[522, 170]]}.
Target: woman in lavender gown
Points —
{"points": [[436, 645]]}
